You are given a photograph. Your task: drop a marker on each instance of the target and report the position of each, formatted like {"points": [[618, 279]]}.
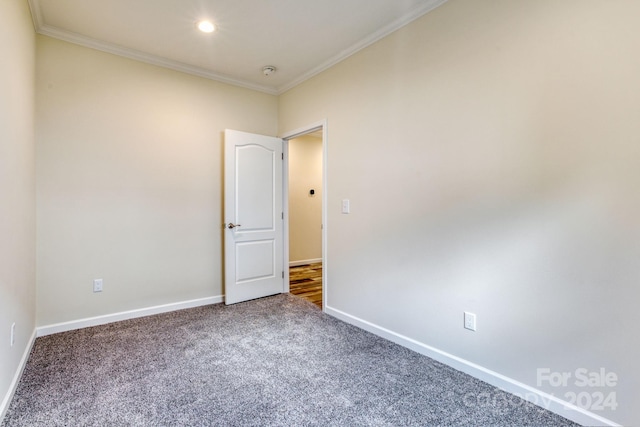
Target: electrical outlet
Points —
{"points": [[97, 285], [13, 333], [469, 321]]}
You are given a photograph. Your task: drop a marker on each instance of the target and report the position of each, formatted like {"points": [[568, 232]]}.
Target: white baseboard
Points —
{"points": [[537, 397], [304, 262], [124, 315], [16, 378]]}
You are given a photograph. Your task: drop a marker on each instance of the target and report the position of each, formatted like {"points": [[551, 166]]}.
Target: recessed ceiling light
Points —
{"points": [[206, 27]]}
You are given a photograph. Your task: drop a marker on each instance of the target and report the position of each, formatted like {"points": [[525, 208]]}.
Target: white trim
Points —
{"points": [[36, 14], [125, 315], [304, 130], [286, 285], [324, 125], [16, 378], [325, 221], [79, 39], [304, 262], [427, 7], [535, 396], [137, 55]]}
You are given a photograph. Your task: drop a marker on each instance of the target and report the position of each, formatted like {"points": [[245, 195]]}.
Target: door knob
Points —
{"points": [[232, 225]]}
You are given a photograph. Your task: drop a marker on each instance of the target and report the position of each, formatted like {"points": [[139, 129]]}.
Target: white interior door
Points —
{"points": [[254, 263]]}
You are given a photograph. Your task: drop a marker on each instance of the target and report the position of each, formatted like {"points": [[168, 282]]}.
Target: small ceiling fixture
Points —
{"points": [[268, 70], [206, 26]]}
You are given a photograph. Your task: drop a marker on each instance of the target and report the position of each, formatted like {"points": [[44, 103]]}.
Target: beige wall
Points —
{"points": [[491, 153], [305, 211], [17, 188], [129, 172]]}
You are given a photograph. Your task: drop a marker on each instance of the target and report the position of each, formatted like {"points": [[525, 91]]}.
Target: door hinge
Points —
{"points": [[282, 155], [282, 215], [283, 274]]}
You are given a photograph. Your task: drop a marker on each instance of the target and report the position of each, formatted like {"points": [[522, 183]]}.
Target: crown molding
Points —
{"points": [[79, 39], [36, 13], [427, 7], [136, 55]]}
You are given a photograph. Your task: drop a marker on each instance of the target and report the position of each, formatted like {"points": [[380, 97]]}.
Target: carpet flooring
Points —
{"points": [[276, 361]]}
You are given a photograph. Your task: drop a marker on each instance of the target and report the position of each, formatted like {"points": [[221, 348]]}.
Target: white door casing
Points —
{"points": [[253, 209]]}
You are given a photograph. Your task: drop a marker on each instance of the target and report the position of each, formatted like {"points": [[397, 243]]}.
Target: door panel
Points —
{"points": [[255, 260], [255, 190], [253, 216]]}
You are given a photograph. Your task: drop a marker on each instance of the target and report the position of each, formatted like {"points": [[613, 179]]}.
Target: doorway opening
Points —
{"points": [[305, 195]]}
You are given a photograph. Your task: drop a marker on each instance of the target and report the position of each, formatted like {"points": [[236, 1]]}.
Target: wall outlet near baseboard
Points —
{"points": [[469, 321], [97, 285], [13, 333]]}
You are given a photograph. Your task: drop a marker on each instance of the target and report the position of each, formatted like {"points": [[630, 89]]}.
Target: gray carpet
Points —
{"points": [[276, 361]]}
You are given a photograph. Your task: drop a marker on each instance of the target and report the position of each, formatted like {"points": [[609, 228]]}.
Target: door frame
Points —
{"points": [[313, 127]]}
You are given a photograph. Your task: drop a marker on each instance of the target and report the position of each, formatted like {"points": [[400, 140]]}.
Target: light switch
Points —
{"points": [[345, 206]]}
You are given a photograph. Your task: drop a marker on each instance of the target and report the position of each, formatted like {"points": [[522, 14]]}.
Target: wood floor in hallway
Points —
{"points": [[306, 281]]}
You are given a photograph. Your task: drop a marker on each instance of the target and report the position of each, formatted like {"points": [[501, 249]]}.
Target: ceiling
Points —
{"points": [[299, 37]]}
